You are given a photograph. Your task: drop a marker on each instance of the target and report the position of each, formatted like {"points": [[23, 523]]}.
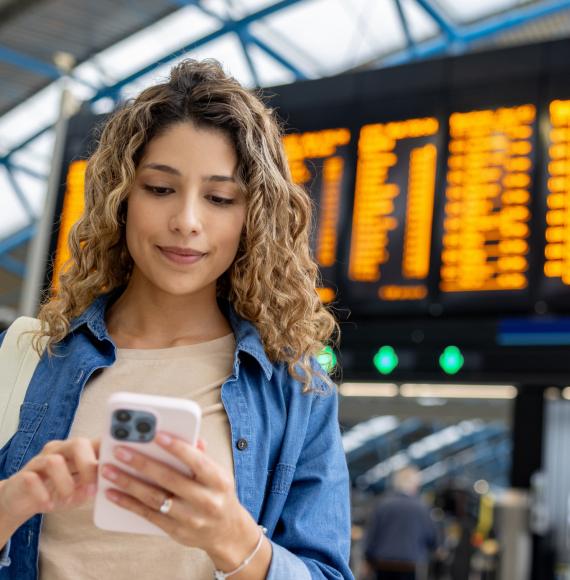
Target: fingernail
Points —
{"points": [[109, 473], [164, 439], [123, 454]]}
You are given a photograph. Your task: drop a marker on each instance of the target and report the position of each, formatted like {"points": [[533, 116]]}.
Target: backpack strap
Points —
{"points": [[18, 361]]}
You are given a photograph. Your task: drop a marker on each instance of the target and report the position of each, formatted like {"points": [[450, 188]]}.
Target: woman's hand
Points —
{"points": [[61, 477], [205, 511]]}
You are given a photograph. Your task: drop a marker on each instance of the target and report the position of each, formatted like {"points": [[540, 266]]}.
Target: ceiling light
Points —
{"points": [[459, 391], [369, 390]]}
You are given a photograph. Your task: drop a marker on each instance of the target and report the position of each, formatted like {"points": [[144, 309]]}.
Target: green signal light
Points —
{"points": [[451, 360], [327, 359], [385, 360]]}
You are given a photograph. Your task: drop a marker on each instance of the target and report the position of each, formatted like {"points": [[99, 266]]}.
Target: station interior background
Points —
{"points": [[468, 382]]}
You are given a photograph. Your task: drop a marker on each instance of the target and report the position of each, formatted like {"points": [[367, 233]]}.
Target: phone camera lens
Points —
{"points": [[121, 433], [123, 416], [144, 427]]}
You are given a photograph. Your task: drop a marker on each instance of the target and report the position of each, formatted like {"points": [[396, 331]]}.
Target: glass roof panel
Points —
{"points": [[421, 25]]}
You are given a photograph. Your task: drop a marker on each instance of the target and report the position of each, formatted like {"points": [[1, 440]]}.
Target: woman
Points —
{"points": [[190, 276]]}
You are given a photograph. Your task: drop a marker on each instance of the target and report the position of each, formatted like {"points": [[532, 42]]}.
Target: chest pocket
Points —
{"points": [[279, 479], [31, 416]]}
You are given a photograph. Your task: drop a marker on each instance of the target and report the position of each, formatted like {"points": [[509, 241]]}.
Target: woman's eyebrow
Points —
{"points": [[162, 167], [219, 178], [174, 171]]}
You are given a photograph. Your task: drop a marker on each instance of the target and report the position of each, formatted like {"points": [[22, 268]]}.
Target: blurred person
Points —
{"points": [[461, 506], [400, 534], [190, 276]]}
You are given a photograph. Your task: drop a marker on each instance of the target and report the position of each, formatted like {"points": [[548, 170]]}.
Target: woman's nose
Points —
{"points": [[186, 217]]}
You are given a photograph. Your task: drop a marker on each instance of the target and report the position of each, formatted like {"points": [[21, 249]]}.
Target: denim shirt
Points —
{"points": [[289, 464]]}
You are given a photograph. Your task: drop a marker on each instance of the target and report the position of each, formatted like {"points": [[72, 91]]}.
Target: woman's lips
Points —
{"points": [[180, 258]]}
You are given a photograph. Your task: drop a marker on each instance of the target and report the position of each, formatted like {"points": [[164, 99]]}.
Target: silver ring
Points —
{"points": [[166, 506]]}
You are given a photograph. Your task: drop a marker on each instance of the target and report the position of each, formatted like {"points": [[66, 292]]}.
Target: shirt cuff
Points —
{"points": [[4, 558], [284, 564]]}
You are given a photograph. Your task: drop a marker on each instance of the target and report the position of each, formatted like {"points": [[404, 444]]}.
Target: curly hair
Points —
{"points": [[273, 279]]}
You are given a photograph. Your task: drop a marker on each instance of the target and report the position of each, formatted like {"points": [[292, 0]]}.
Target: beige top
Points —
{"points": [[71, 547]]}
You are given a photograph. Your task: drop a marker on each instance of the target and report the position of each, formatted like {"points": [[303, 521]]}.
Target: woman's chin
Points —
{"points": [[180, 290]]}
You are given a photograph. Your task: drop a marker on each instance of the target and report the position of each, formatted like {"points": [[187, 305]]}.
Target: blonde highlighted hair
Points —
{"points": [[272, 281]]}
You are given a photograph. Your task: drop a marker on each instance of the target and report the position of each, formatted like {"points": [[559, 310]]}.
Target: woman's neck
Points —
{"points": [[142, 319]]}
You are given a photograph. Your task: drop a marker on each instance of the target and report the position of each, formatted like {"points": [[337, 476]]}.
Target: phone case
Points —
{"points": [[178, 417]]}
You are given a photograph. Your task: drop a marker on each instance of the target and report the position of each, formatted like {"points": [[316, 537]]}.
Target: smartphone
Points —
{"points": [[132, 420]]}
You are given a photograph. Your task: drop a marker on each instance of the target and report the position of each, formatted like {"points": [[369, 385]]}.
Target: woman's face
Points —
{"points": [[185, 212]]}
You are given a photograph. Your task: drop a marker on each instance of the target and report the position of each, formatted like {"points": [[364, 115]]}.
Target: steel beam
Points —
{"points": [[23, 169], [25, 143], [245, 44], [12, 265], [240, 32], [439, 18], [405, 26], [17, 239], [19, 193], [470, 33], [28, 63], [277, 57], [36, 66], [301, 52], [514, 18]]}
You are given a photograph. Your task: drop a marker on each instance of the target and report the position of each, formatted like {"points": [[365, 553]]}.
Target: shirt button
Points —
{"points": [[241, 444]]}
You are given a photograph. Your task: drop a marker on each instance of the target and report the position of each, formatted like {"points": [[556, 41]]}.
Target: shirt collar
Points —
{"points": [[246, 334]]}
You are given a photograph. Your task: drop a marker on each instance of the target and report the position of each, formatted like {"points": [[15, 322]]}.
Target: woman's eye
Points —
{"points": [[157, 190], [217, 200]]}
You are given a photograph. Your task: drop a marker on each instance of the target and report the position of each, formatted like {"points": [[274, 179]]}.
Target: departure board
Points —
{"points": [[557, 233], [486, 227], [73, 204], [390, 242], [80, 142], [318, 161]]}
